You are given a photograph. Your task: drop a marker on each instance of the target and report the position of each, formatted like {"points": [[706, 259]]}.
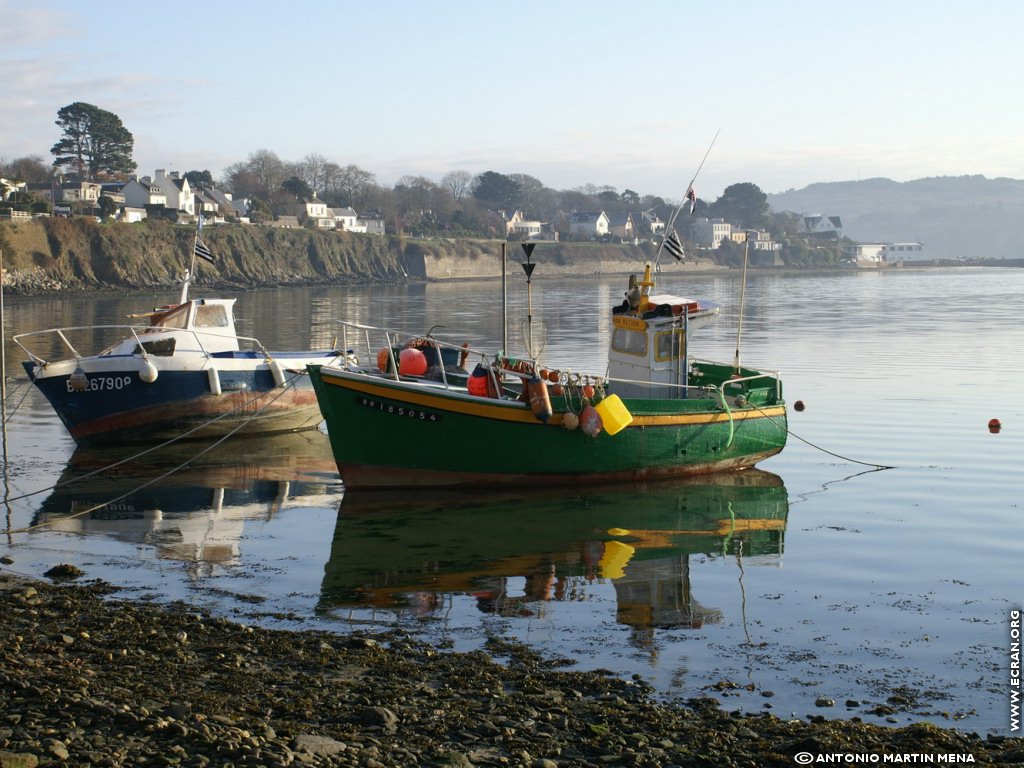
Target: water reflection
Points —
{"points": [[193, 513], [514, 552]]}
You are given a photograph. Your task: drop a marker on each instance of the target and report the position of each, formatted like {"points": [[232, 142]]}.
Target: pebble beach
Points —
{"points": [[88, 679]]}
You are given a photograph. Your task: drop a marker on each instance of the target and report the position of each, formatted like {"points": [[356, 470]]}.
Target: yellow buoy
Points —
{"points": [[615, 417]]}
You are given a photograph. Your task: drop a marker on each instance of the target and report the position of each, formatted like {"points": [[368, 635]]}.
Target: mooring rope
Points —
{"points": [[289, 383], [819, 448], [28, 388]]}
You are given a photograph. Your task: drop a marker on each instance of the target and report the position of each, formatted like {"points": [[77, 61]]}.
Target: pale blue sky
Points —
{"points": [[621, 94]]}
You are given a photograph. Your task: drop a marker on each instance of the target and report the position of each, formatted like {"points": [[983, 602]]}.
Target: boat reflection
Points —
{"points": [[190, 505], [515, 552]]}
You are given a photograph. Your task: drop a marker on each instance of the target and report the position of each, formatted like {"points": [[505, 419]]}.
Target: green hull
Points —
{"points": [[387, 433]]}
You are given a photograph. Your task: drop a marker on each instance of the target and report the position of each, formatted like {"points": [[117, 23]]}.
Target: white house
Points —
{"points": [[517, 225], [177, 191], [588, 223], [138, 193], [709, 233], [317, 211], [816, 224], [131, 215], [864, 253], [647, 224], [347, 219]]}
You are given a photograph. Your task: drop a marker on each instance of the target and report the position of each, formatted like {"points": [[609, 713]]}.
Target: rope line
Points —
{"points": [[289, 383], [819, 448], [27, 388]]}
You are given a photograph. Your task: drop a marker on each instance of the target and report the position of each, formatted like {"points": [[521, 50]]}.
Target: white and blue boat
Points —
{"points": [[180, 370]]}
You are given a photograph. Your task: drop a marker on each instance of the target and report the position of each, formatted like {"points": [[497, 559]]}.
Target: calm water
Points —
{"points": [[817, 578]]}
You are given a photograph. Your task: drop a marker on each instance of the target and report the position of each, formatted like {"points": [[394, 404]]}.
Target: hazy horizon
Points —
{"points": [[570, 94]]}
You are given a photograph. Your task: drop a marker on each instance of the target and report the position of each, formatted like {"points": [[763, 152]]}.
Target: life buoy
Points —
{"points": [[540, 402]]}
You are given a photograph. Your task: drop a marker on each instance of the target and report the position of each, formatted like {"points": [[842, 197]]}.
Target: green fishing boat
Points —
{"points": [[418, 417]]}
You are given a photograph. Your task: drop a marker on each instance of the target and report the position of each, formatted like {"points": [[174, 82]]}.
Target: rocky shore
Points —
{"points": [[87, 679]]}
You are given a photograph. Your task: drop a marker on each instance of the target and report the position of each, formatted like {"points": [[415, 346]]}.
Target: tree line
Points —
{"points": [[95, 145]]}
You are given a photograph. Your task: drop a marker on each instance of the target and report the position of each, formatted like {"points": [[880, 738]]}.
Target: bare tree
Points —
{"points": [[313, 169], [458, 184]]}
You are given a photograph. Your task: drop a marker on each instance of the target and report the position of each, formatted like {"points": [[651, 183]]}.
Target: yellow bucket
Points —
{"points": [[614, 415]]}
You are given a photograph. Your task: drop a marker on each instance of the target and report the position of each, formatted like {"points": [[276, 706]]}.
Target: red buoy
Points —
{"points": [[412, 362], [798, 405], [479, 383], [994, 425]]}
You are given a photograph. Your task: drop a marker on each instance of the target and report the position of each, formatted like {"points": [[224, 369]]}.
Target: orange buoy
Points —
{"points": [[588, 391], [553, 376], [798, 405], [994, 425], [540, 403], [383, 357], [543, 373], [558, 389], [412, 362], [481, 383]]}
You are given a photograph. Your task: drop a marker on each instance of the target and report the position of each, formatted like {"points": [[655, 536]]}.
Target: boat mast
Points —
{"points": [[192, 266], [504, 302], [689, 196], [743, 292]]}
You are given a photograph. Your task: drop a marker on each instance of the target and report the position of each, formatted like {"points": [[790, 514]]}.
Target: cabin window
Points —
{"points": [[211, 316], [629, 342], [668, 344], [176, 319]]}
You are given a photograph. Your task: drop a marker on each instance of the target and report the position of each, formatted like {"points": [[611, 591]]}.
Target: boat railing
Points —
{"points": [[744, 378], [138, 332], [372, 339]]}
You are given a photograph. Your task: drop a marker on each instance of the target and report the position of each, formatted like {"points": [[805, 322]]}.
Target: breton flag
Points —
{"points": [[692, 197], [202, 250], [673, 246]]}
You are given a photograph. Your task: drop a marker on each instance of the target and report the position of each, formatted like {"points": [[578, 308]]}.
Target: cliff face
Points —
{"points": [[79, 254]]}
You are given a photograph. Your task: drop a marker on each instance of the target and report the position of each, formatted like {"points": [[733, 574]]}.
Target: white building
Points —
{"points": [[589, 223], [900, 252], [177, 191], [709, 233]]}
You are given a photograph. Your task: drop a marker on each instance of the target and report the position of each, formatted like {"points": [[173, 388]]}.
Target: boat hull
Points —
{"points": [[390, 434], [116, 405]]}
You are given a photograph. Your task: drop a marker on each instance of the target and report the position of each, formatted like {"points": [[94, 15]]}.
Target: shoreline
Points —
{"points": [[90, 678]]}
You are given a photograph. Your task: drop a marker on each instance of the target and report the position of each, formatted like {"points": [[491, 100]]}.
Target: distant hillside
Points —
{"points": [[954, 216]]}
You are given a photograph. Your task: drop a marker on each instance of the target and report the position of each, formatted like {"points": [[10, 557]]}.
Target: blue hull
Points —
{"points": [[121, 408]]}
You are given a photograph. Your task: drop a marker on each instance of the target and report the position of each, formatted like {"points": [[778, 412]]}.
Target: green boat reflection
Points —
{"points": [[407, 551]]}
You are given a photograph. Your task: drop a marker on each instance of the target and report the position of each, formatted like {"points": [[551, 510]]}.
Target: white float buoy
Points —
{"points": [[277, 371], [214, 377], [148, 373]]}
